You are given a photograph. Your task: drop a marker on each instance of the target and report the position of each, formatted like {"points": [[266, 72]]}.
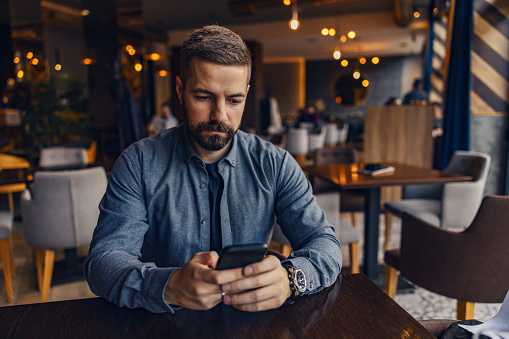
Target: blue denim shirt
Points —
{"points": [[155, 216]]}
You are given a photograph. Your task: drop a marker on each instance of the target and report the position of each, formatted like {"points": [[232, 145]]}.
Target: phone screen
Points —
{"points": [[241, 255]]}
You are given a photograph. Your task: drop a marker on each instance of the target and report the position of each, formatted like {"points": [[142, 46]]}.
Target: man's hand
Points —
{"points": [[198, 286], [266, 284]]}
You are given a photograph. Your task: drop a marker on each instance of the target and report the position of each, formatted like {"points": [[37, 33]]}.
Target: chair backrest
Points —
{"points": [[297, 141], [455, 196], [343, 134], [464, 196], [325, 156], [476, 268], [331, 134], [317, 141], [62, 210], [63, 156]]}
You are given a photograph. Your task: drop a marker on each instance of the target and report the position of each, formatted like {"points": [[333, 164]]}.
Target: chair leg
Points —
{"points": [[5, 255], [391, 281], [286, 250], [11, 202], [465, 310], [38, 265], [11, 251], [354, 219], [49, 261], [388, 229], [354, 257]]}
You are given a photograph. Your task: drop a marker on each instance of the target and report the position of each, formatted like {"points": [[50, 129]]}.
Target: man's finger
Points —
{"points": [[268, 263]]}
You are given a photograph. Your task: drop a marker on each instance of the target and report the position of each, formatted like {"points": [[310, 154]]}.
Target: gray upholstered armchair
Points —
{"points": [[470, 266], [60, 212], [60, 156], [451, 205]]}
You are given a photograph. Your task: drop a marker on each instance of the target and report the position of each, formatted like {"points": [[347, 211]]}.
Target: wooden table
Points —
{"points": [[345, 177], [353, 307]]}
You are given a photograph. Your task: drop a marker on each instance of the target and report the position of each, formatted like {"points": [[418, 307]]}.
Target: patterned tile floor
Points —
{"points": [[420, 303]]}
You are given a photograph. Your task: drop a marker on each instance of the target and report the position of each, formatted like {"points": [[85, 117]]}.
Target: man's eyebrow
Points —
{"points": [[204, 91]]}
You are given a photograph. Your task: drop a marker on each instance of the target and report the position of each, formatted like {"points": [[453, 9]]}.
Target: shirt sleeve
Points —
{"points": [[113, 269], [316, 249]]}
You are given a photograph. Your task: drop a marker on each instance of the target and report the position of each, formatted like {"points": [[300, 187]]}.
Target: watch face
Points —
{"points": [[300, 281]]}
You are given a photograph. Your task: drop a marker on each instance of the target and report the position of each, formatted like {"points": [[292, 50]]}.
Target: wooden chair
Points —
{"points": [[60, 212], [8, 161], [6, 251], [470, 266]]}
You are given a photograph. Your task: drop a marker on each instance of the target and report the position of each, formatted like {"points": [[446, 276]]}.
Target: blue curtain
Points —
{"points": [[459, 82]]}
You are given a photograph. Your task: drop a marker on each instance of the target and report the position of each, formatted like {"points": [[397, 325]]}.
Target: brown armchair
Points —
{"points": [[470, 266]]}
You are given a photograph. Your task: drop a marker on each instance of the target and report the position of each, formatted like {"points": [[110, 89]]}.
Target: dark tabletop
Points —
{"points": [[353, 307]]}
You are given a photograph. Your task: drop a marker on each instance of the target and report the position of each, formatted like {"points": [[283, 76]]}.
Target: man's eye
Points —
{"points": [[203, 97], [235, 102]]}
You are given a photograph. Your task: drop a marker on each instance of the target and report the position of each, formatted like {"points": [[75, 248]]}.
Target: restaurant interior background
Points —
{"points": [[112, 63]]}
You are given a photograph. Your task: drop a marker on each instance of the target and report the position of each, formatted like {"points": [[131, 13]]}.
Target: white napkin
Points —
{"points": [[497, 327]]}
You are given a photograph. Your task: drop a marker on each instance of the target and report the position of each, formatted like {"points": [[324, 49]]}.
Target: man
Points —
{"points": [[175, 200], [162, 122], [417, 95]]}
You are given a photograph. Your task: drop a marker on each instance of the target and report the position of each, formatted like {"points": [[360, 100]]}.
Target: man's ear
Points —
{"points": [[180, 88]]}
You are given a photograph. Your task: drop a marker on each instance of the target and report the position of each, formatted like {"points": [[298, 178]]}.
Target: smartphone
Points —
{"points": [[241, 255]]}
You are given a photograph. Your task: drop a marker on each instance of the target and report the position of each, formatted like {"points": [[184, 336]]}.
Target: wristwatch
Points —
{"points": [[297, 280]]}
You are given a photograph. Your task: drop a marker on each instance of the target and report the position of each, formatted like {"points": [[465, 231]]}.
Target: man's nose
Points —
{"points": [[219, 111]]}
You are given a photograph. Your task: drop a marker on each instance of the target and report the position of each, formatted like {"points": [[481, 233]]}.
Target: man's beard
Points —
{"points": [[213, 142]]}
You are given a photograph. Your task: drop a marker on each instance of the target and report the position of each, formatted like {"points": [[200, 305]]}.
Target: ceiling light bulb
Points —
{"points": [[294, 24], [365, 83], [417, 14], [287, 2], [351, 34], [344, 63], [132, 51], [20, 74], [163, 73], [85, 12], [325, 31], [356, 75], [16, 60], [343, 38], [87, 61], [58, 67], [155, 56], [375, 60], [138, 67], [337, 53], [332, 32], [30, 55], [362, 60], [35, 61]]}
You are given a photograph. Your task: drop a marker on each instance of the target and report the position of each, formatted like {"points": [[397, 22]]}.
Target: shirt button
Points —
{"points": [[203, 221], [311, 285], [233, 162], [202, 185], [327, 280]]}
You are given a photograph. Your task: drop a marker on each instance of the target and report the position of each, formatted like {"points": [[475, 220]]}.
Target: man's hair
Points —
{"points": [[216, 44]]}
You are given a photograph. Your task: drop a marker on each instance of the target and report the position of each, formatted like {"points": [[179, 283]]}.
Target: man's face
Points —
{"points": [[213, 98]]}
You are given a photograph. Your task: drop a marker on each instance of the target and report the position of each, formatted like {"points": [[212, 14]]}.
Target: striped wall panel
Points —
{"points": [[439, 57], [490, 58]]}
